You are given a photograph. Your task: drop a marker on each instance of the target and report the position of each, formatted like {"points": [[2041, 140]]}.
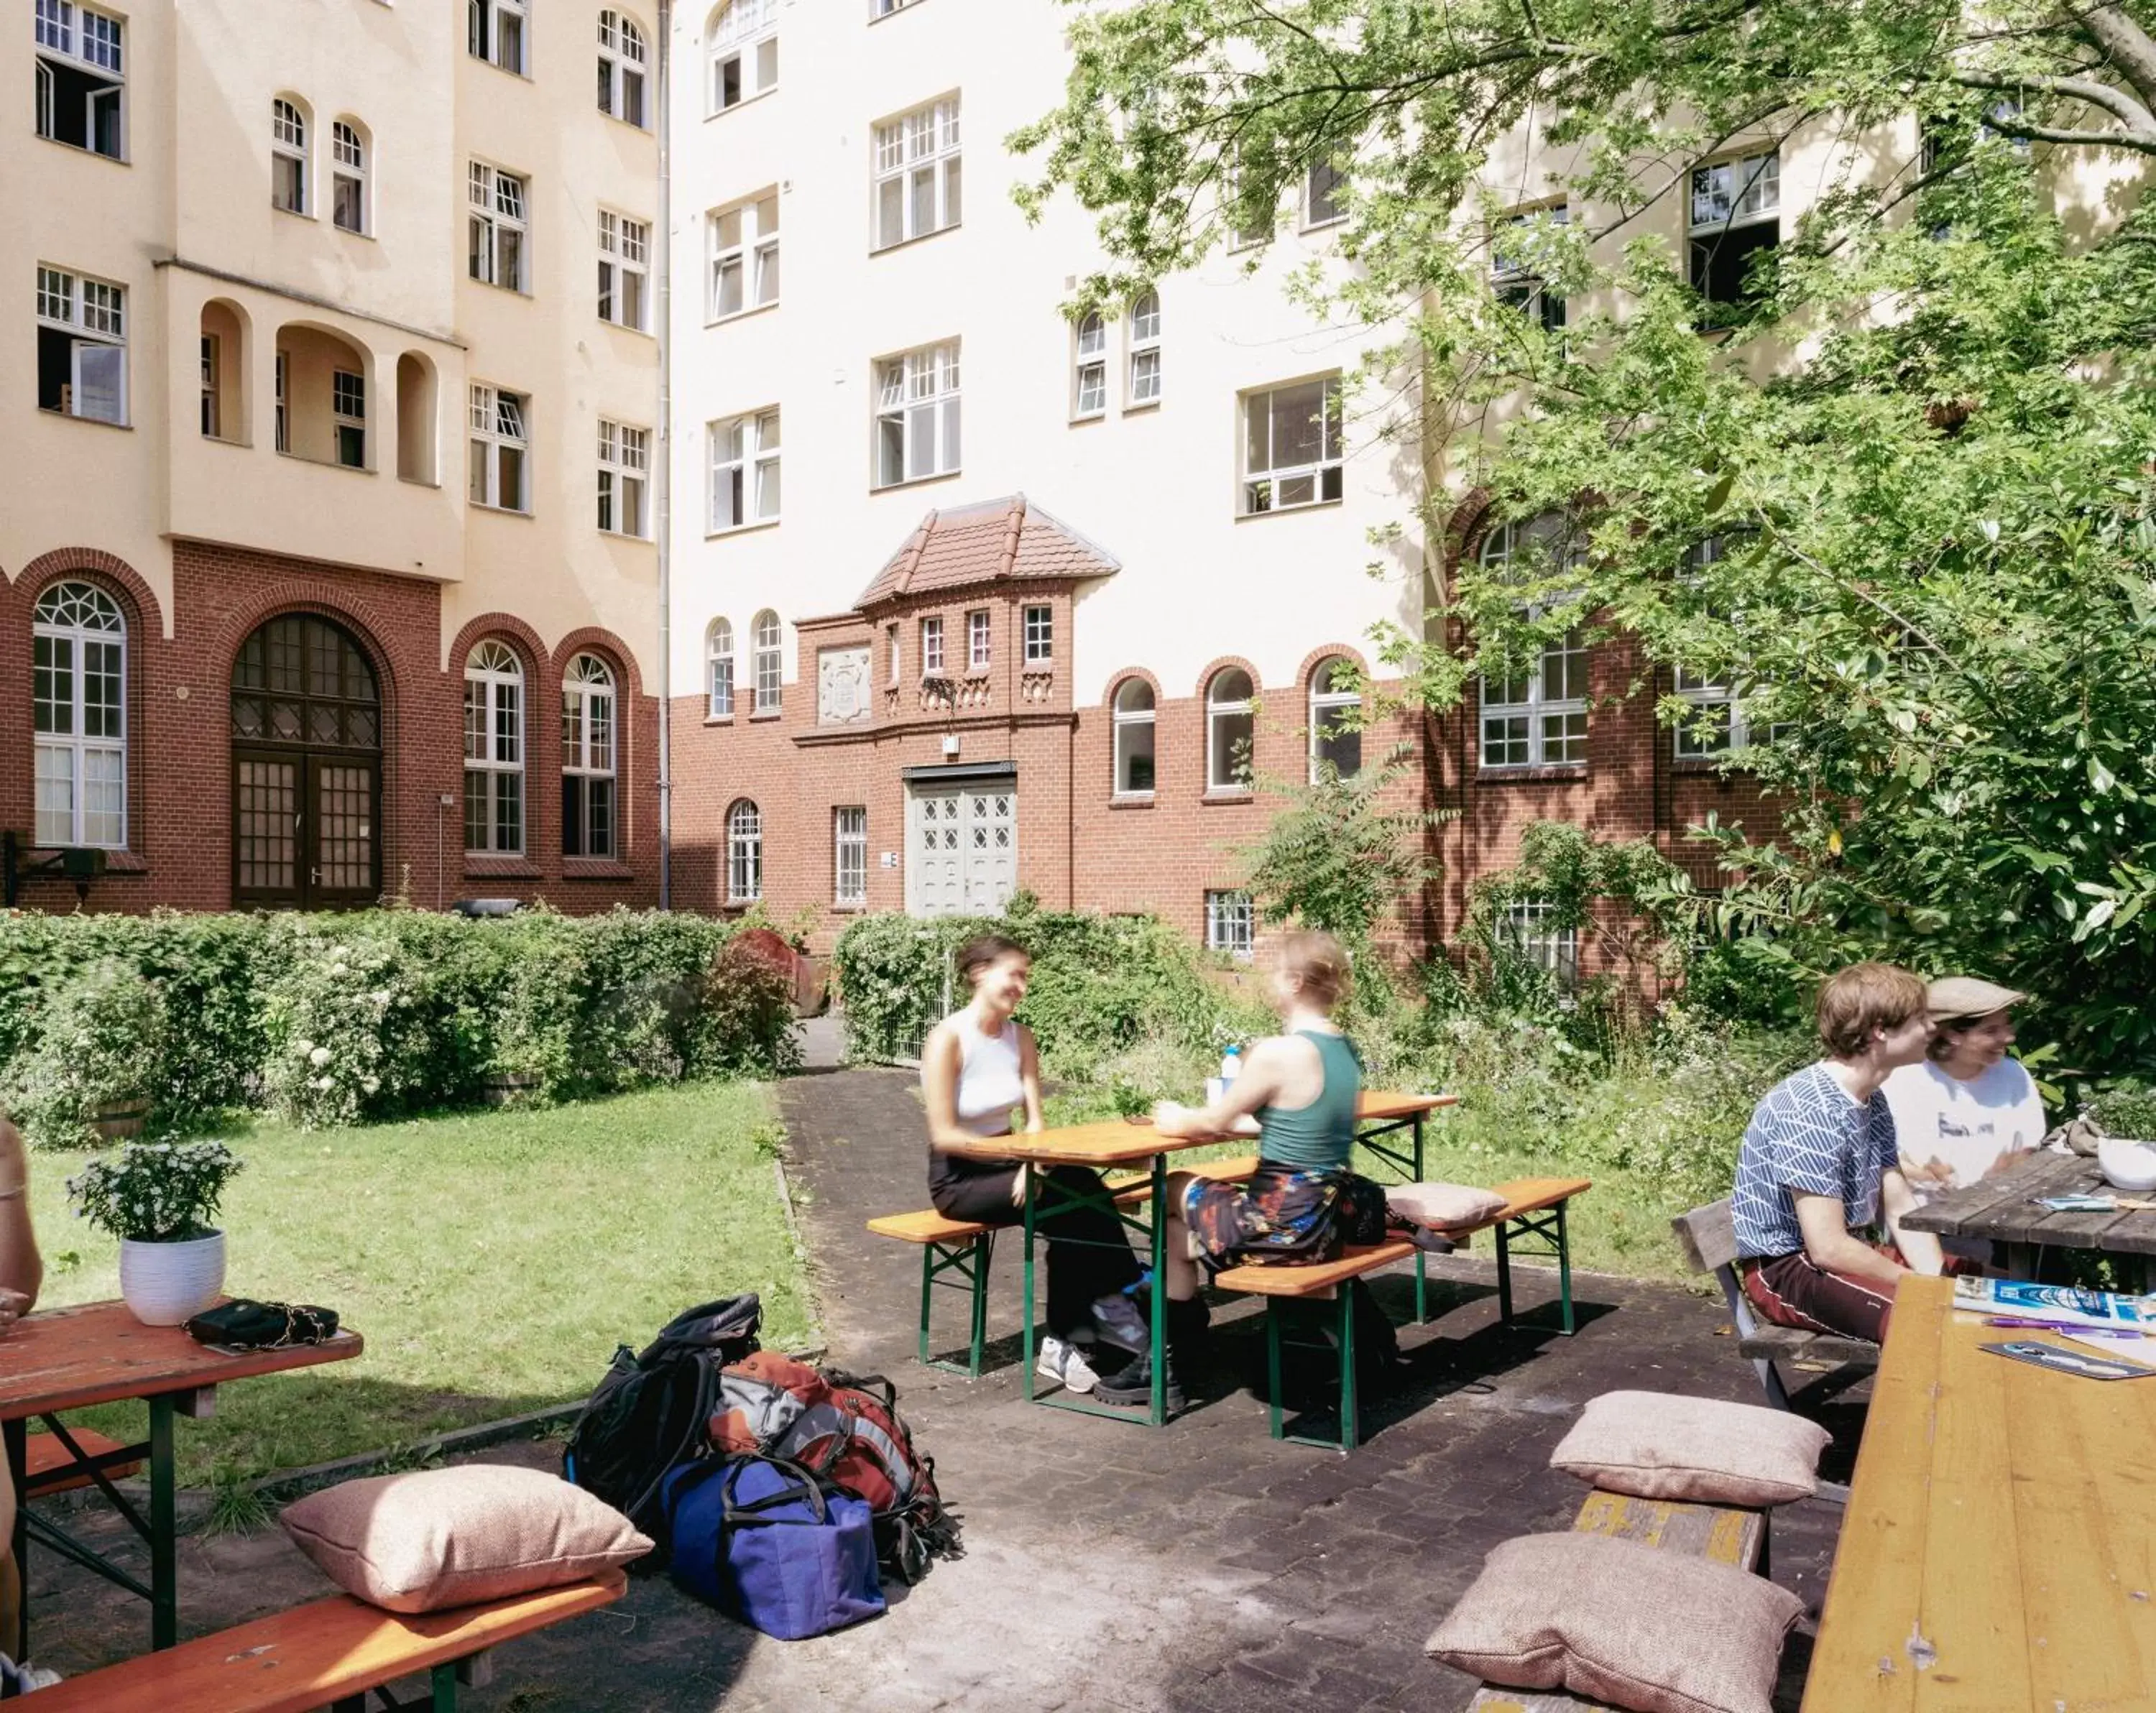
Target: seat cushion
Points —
{"points": [[1443, 1206], [435, 1538], [1621, 1624], [1661, 1445]]}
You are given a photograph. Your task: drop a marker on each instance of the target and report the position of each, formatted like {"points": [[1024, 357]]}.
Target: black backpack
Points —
{"points": [[653, 1410]]}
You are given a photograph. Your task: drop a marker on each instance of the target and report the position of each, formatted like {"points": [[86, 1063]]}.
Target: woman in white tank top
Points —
{"points": [[978, 1068]]}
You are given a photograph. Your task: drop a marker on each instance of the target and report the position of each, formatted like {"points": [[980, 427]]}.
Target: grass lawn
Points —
{"points": [[493, 1261]]}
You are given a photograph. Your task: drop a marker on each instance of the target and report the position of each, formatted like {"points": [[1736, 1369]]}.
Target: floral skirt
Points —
{"points": [[1283, 1214]]}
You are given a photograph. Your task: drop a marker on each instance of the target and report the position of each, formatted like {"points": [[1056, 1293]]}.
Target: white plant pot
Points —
{"points": [[166, 1284]]}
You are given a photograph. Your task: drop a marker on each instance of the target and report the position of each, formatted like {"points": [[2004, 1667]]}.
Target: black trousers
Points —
{"points": [[1089, 1248]]}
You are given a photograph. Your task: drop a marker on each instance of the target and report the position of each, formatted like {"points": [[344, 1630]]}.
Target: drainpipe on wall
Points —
{"points": [[663, 521]]}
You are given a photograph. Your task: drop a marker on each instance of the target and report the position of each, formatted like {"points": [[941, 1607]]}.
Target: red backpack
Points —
{"points": [[846, 1429]]}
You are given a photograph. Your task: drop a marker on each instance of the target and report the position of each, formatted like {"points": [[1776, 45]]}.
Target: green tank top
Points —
{"points": [[1320, 1136]]}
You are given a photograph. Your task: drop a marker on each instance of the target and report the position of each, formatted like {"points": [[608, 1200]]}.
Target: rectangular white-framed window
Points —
{"points": [[721, 649], [1736, 212], [622, 59], [1040, 635], [916, 425], [767, 663], [348, 413], [500, 449], [743, 54], [744, 471], [1142, 350], [1231, 923], [624, 468], [744, 246], [1291, 446], [850, 848], [79, 717], [281, 385], [498, 29], [82, 346], [1536, 716], [891, 645], [918, 176], [1089, 367], [500, 236], [1512, 280], [493, 750], [624, 271], [213, 394], [348, 178], [979, 633], [1528, 930], [931, 646], [80, 94], [1322, 204]]}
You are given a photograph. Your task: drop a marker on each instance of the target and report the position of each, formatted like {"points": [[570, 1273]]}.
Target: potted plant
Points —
{"points": [[159, 1199]]}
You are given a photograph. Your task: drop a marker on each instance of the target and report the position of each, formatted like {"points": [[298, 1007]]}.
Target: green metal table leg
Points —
{"points": [[445, 1688], [1275, 1420], [1504, 1275], [984, 1252], [1350, 1415], [1159, 1331], [1564, 1270], [164, 1541], [1421, 1259], [927, 1294], [16, 1433], [1025, 1347]]}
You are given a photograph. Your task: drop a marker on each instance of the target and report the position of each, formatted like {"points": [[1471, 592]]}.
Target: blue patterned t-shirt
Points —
{"points": [[1808, 1135]]}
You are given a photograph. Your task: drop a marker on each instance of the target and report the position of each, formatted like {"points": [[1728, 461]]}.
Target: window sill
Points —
{"points": [[623, 327], [296, 213], [1710, 767], [61, 142], [735, 106], [762, 714], [1289, 511], [496, 286], [595, 869], [718, 720], [1314, 226], [740, 529], [1140, 406], [350, 233], [327, 463], [741, 315], [914, 482], [497, 510], [738, 906], [498, 866], [1130, 800], [411, 481], [1087, 418], [886, 249], [1231, 794], [68, 416], [226, 440], [848, 909], [1550, 775], [505, 70], [626, 536]]}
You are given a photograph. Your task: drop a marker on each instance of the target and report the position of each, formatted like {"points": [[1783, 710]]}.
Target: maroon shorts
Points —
{"points": [[1794, 1290]]}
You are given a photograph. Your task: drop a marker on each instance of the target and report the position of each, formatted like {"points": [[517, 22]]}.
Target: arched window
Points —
{"points": [[1335, 713], [1133, 721], [1144, 345], [721, 650], [1089, 379], [744, 852], [1230, 731], [765, 661], [621, 69], [493, 749], [588, 758], [348, 208], [79, 696], [744, 48], [1534, 714], [288, 158]]}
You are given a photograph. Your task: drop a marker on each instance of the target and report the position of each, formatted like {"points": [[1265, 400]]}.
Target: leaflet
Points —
{"points": [[2054, 1302]]}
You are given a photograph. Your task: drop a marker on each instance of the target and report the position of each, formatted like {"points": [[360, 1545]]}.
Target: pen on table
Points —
{"points": [[2073, 1327]]}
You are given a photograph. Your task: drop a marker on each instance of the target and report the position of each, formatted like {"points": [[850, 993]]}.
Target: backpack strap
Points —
{"points": [[739, 1513]]}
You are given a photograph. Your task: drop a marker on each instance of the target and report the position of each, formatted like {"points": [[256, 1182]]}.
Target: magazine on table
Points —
{"points": [[2054, 1302]]}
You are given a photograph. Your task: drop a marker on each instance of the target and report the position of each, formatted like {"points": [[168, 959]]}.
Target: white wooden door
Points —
{"points": [[961, 848], [991, 846]]}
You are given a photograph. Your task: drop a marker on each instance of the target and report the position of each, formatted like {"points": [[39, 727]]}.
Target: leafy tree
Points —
{"points": [[1897, 494], [1343, 853]]}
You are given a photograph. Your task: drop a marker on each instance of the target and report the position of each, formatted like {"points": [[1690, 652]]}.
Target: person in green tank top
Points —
{"points": [[1303, 1203]]}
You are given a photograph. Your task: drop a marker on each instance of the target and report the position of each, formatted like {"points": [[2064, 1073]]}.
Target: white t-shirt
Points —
{"points": [[1950, 1133]]}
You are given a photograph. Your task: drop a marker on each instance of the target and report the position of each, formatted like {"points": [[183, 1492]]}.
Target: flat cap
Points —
{"points": [[1954, 996]]}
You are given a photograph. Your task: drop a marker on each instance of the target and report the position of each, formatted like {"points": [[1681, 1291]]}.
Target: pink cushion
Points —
{"points": [[1621, 1624], [457, 1536], [1659, 1445], [1443, 1206]]}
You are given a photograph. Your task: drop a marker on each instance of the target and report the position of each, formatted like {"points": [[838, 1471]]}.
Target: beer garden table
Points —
{"points": [[1113, 1143], [2004, 1208], [1996, 1551], [95, 1353]]}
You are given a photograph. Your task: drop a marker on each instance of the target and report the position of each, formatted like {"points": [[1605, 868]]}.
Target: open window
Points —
{"points": [[81, 95]]}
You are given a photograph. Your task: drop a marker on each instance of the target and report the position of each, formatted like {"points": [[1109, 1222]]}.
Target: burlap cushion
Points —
{"points": [[1443, 1206], [1620, 1623], [456, 1536], [1659, 1445]]}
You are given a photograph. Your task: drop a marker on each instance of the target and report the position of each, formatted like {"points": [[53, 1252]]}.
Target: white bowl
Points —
{"points": [[2129, 1166]]}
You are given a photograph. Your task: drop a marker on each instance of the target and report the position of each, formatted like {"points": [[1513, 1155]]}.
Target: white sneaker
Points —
{"points": [[1060, 1362]]}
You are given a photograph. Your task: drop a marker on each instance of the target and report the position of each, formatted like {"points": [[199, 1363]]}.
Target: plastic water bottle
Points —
{"points": [[1231, 1065]]}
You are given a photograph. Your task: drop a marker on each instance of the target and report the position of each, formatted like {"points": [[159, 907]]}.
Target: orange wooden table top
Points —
{"points": [[1999, 1550], [1114, 1142], [99, 1352]]}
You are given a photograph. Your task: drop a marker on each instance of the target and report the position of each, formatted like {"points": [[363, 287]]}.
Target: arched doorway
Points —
{"points": [[307, 768]]}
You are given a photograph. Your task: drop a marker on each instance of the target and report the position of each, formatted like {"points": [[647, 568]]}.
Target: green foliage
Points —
{"points": [[1343, 853], [102, 1040], [155, 1192]]}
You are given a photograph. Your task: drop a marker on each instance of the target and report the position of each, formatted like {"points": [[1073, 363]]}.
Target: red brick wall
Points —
{"points": [[179, 748]]}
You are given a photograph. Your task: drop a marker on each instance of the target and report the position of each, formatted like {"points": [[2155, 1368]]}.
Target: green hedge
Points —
{"points": [[334, 1019], [1100, 986]]}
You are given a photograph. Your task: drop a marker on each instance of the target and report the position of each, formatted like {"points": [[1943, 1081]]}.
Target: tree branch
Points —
{"points": [[2129, 46], [2116, 102]]}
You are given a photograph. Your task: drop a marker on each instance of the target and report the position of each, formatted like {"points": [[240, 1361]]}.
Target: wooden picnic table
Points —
{"points": [[1995, 1552], [1113, 1143], [66, 1359], [2002, 1208]]}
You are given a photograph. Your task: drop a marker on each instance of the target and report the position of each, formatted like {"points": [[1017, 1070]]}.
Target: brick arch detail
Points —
{"points": [[1213, 667], [595, 639], [325, 601], [537, 660], [93, 562], [1117, 680], [1311, 662]]}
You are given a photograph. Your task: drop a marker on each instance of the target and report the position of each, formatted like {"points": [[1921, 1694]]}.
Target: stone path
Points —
{"points": [[1200, 1567]]}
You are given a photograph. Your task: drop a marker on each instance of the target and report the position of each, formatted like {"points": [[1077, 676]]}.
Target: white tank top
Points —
{"points": [[989, 1084]]}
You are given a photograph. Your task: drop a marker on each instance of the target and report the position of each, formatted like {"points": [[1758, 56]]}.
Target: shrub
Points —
{"points": [[100, 1040], [155, 1192]]}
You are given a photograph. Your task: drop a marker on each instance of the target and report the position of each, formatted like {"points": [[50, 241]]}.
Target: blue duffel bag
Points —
{"points": [[764, 1541]]}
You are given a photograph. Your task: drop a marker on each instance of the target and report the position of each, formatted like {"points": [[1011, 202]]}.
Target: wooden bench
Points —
{"points": [[48, 1467], [331, 1653], [1534, 1206], [1709, 1240], [1737, 1538], [961, 1248]]}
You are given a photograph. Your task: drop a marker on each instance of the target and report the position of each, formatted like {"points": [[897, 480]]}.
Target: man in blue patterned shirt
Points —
{"points": [[1819, 1169]]}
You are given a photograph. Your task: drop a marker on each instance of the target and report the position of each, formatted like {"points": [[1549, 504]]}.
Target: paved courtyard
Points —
{"points": [[1107, 1566]]}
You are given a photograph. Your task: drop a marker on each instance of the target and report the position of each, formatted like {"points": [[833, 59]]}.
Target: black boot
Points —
{"points": [[1132, 1388]]}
